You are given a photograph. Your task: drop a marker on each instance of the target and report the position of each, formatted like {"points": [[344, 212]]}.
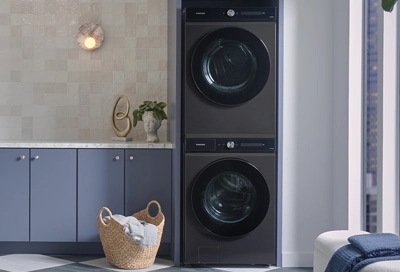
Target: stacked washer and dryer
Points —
{"points": [[229, 90]]}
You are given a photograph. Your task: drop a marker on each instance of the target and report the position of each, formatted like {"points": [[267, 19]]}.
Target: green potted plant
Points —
{"points": [[151, 113], [388, 5], [156, 108]]}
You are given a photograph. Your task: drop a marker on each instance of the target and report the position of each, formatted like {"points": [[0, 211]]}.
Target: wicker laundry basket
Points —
{"points": [[119, 249]]}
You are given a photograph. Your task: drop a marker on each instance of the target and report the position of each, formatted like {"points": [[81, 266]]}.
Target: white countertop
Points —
{"points": [[84, 144]]}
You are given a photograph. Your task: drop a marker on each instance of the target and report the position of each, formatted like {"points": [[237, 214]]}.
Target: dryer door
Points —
{"points": [[230, 197], [230, 66]]}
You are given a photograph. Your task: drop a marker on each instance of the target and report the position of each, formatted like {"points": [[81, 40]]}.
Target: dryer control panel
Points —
{"points": [[237, 14], [229, 145]]}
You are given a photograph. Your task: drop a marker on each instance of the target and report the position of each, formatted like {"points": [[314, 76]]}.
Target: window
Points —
{"points": [[371, 116], [381, 119]]}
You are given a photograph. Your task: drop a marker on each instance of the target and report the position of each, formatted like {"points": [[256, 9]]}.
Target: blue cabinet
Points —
{"points": [[53, 195], [100, 183], [148, 177], [14, 194]]}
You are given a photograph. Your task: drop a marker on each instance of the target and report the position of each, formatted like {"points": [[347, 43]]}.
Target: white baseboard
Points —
{"points": [[297, 259]]}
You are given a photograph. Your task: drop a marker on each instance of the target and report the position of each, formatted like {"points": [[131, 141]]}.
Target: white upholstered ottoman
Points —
{"points": [[328, 242]]}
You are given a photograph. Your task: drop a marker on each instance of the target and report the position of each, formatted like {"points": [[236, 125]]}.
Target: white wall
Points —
{"points": [[314, 133]]}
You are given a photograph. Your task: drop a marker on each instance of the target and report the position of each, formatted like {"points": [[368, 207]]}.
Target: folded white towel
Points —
{"points": [[139, 231]]}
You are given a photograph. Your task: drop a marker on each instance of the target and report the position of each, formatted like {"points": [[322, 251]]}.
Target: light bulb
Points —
{"points": [[90, 42], [90, 36]]}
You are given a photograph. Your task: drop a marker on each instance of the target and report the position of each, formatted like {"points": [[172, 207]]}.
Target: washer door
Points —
{"points": [[230, 197], [230, 66]]}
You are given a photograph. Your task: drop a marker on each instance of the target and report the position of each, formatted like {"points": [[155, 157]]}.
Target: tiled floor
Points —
{"points": [[82, 263]]}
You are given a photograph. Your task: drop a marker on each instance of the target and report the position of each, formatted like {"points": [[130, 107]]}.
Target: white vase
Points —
{"points": [[151, 126]]}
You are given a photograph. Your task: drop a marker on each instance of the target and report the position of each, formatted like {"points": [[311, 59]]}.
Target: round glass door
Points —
{"points": [[230, 66], [230, 197]]}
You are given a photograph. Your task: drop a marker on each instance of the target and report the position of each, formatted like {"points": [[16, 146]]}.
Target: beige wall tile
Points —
{"points": [[51, 89]]}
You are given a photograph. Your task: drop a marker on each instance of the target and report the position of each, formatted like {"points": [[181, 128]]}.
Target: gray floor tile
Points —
{"points": [[77, 258], [74, 268], [187, 269], [294, 269], [98, 263]]}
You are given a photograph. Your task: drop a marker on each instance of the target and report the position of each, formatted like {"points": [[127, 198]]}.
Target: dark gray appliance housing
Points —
{"points": [[229, 112], [230, 205], [229, 72]]}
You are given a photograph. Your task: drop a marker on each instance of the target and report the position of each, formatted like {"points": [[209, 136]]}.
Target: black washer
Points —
{"points": [[230, 197]]}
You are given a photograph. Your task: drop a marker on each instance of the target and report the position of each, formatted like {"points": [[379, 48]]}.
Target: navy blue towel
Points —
{"points": [[344, 259], [365, 249], [376, 244]]}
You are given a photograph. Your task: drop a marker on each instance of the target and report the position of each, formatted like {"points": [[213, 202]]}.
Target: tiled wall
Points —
{"points": [[51, 89]]}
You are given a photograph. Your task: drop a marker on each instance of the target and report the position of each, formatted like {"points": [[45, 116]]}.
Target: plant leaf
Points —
{"points": [[162, 105], [135, 117], [157, 115], [388, 5], [156, 107], [164, 115]]}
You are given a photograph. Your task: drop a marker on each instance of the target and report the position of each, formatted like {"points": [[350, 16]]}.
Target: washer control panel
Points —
{"points": [[229, 145]]}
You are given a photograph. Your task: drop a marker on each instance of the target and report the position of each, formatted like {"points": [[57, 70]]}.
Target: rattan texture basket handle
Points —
{"points": [[101, 212], [159, 208]]}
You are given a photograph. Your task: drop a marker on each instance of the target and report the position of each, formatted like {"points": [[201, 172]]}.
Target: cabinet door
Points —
{"points": [[148, 177], [53, 195], [14, 194], [100, 183]]}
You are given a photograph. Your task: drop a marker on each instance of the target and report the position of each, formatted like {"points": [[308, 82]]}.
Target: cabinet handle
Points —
{"points": [[36, 157], [117, 158], [22, 157], [131, 158]]}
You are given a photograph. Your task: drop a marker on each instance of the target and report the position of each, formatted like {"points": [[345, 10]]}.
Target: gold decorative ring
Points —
{"points": [[121, 115]]}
